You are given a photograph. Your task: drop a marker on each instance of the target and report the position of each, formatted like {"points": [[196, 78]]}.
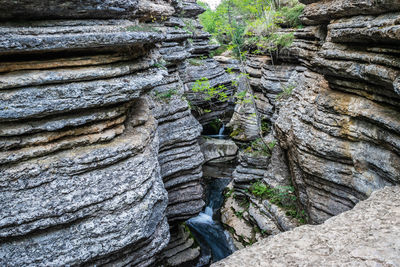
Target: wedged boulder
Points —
{"points": [[218, 150]]}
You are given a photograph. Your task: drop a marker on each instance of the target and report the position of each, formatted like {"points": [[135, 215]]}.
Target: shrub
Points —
{"points": [[282, 196], [291, 15], [203, 86]]}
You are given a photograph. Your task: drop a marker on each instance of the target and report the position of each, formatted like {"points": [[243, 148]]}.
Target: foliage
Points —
{"points": [[195, 62], [290, 15], [161, 64], [282, 196], [203, 86], [265, 127], [229, 193], [189, 27], [259, 148], [287, 91], [166, 95], [236, 132], [241, 24]]}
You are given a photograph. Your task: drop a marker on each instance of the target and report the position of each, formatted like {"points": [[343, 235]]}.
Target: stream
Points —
{"points": [[214, 241]]}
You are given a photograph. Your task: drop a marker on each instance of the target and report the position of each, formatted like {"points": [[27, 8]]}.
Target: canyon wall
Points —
{"points": [[99, 162], [341, 126], [333, 103]]}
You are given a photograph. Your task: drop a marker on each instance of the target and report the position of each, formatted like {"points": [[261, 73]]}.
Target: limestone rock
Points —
{"points": [[23, 9], [324, 10], [362, 236], [218, 150], [89, 192]]}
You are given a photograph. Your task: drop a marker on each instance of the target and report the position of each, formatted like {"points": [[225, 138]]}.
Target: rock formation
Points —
{"points": [[100, 159], [363, 236], [96, 139], [342, 141], [331, 100]]}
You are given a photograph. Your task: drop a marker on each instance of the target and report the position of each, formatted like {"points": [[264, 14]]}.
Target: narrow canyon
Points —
{"points": [[126, 141]]}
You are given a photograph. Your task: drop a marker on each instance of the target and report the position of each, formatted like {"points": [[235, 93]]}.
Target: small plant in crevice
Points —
{"points": [[161, 64], [265, 128], [142, 28], [239, 214], [189, 27], [259, 148], [229, 193], [165, 95], [286, 92], [282, 196], [195, 62]]}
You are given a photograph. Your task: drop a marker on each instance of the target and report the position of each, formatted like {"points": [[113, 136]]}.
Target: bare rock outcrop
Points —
{"points": [[363, 236], [97, 165], [342, 141], [334, 103]]}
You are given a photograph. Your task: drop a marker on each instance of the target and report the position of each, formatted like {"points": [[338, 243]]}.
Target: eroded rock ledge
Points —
{"points": [[96, 167], [364, 236]]}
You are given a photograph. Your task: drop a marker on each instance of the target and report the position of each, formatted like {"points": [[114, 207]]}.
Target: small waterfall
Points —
{"points": [[209, 233], [221, 131]]}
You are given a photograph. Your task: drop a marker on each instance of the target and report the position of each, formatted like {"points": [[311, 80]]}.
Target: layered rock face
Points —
{"points": [[332, 102], [89, 143], [360, 237], [341, 126]]}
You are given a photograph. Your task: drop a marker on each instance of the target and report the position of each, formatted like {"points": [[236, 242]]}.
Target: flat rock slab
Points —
{"points": [[365, 236]]}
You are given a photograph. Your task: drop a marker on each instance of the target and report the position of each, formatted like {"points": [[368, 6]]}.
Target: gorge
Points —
{"points": [[104, 147]]}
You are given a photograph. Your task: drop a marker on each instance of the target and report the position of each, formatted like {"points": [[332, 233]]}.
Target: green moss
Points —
{"points": [[195, 62], [166, 95], [236, 132], [142, 28]]}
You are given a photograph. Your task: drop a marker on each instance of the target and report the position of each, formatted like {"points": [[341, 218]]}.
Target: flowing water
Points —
{"points": [[220, 134], [214, 241]]}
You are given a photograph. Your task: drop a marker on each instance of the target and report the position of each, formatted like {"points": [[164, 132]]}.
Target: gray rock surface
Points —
{"points": [[338, 125], [321, 12], [56, 209], [57, 9], [364, 236], [218, 150], [90, 152]]}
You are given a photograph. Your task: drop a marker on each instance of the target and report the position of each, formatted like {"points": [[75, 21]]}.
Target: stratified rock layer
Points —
{"points": [[334, 104], [364, 236], [94, 164], [332, 101]]}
